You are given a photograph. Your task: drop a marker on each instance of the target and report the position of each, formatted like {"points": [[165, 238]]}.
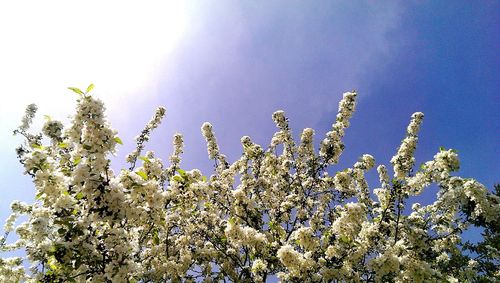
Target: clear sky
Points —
{"points": [[234, 63]]}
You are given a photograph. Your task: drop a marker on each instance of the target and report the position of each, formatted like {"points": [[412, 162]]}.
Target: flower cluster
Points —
{"points": [[332, 146], [53, 129], [268, 213], [212, 147], [403, 161], [28, 117], [144, 136]]}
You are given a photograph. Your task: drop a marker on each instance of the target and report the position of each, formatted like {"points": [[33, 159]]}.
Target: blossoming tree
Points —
{"points": [[278, 211]]}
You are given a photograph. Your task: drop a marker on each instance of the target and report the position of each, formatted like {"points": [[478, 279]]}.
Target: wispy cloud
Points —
{"points": [[240, 61]]}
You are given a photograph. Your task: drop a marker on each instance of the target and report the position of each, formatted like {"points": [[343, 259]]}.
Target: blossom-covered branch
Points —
{"points": [[290, 214]]}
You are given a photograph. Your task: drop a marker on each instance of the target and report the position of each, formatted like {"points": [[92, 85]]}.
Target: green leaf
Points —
{"points": [[77, 160], [90, 88], [271, 224], [204, 178], [118, 140], [143, 175], [52, 249], [345, 239], [177, 178], [281, 232], [223, 240], [37, 146], [441, 148], [76, 90], [145, 159], [63, 145], [156, 238], [52, 262], [182, 172], [65, 193], [79, 196]]}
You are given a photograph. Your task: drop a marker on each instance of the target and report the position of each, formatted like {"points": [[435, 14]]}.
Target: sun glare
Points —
{"points": [[49, 45]]}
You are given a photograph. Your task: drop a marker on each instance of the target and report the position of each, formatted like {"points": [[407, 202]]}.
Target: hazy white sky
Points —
{"points": [[49, 45]]}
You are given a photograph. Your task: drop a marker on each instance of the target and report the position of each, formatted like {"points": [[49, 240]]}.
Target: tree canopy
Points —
{"points": [[283, 210]]}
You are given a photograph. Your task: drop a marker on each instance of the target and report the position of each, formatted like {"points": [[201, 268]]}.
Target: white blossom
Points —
{"points": [[287, 214]]}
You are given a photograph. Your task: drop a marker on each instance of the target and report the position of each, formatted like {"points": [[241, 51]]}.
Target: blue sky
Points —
{"points": [[235, 63]]}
